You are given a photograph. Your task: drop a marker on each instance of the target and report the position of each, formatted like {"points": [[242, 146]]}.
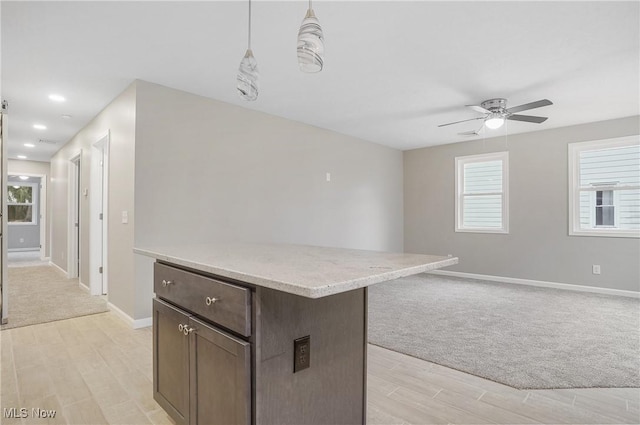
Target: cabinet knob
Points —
{"points": [[185, 329], [166, 283], [211, 300]]}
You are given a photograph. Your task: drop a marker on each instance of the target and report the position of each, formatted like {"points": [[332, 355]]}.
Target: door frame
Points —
{"points": [[73, 213], [4, 299], [42, 210], [99, 204]]}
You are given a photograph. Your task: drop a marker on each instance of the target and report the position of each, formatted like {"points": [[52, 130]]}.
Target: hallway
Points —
{"points": [[40, 294]]}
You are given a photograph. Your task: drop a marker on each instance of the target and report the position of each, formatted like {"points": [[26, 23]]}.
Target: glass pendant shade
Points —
{"points": [[248, 77], [310, 44]]}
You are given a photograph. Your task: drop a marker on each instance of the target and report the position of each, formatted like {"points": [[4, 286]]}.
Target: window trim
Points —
{"points": [[460, 161], [574, 150], [34, 205]]}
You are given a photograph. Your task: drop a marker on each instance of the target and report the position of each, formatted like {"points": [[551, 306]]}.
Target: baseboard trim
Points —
{"points": [[540, 283], [83, 286], [51, 263], [34, 249], [135, 324]]}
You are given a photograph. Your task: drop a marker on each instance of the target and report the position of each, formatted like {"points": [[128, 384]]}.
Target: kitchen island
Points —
{"points": [[266, 333]]}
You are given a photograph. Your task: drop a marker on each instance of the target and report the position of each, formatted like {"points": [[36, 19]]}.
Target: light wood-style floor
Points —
{"points": [[96, 370]]}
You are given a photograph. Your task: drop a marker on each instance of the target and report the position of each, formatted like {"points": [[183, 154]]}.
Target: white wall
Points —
{"points": [[207, 171], [15, 167], [538, 245], [118, 119]]}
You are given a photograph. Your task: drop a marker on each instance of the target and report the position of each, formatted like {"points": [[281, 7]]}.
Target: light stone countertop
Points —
{"points": [[309, 271]]}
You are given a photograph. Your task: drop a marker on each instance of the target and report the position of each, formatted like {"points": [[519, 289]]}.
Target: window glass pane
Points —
{"points": [[610, 166], [483, 177], [604, 216], [483, 211], [628, 209], [19, 213], [20, 194], [585, 209]]}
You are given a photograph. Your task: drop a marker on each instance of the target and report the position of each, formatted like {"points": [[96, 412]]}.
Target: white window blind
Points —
{"points": [[605, 187], [481, 193]]}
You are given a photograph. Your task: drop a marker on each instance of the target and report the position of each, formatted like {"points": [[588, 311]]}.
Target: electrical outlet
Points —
{"points": [[596, 269], [21, 240], [301, 353]]}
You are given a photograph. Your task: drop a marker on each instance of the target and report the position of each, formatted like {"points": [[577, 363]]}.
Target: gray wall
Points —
{"points": [[207, 171], [538, 246], [25, 236], [118, 119]]}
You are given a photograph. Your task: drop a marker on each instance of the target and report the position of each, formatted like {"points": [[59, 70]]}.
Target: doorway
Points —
{"points": [[99, 217], [27, 240], [73, 240]]}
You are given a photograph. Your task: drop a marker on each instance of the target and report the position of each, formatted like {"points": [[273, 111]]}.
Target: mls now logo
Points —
{"points": [[15, 413]]}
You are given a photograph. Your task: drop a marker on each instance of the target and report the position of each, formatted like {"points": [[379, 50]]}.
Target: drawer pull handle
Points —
{"points": [[211, 300], [166, 283]]}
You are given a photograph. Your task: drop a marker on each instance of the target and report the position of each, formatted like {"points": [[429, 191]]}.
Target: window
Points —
{"points": [[22, 204], [604, 186], [482, 193]]}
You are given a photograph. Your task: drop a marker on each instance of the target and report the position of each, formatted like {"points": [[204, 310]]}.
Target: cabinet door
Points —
{"points": [[220, 377], [171, 361]]}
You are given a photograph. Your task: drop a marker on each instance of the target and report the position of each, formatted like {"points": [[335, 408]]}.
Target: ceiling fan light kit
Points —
{"points": [[496, 112], [494, 121]]}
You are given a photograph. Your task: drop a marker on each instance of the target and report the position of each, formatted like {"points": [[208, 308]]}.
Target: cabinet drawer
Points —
{"points": [[223, 303]]}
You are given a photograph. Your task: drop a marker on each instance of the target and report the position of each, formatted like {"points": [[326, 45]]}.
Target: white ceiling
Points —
{"points": [[393, 70]]}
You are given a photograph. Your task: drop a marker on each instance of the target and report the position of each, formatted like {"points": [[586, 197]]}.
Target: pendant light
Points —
{"points": [[310, 43], [248, 71]]}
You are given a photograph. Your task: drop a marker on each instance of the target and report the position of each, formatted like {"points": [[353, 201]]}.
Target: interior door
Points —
{"points": [[171, 360]]}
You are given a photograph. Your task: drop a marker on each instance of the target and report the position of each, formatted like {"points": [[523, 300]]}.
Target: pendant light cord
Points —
{"points": [[249, 43], [310, 5]]}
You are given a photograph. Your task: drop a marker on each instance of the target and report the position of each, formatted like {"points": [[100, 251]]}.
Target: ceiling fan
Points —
{"points": [[496, 112]]}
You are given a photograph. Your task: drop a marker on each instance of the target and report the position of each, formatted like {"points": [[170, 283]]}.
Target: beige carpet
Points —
{"points": [[43, 294], [522, 336]]}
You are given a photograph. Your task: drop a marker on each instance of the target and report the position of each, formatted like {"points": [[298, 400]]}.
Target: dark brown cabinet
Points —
{"points": [[220, 377], [224, 352], [171, 361], [202, 375]]}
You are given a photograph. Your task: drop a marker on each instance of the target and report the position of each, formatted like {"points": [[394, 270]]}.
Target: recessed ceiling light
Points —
{"points": [[29, 145], [22, 157], [39, 127], [24, 177], [57, 98], [66, 117]]}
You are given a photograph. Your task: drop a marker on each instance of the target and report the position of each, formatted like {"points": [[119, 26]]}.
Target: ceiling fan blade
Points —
{"points": [[527, 118], [479, 109], [457, 122], [470, 133], [532, 105]]}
